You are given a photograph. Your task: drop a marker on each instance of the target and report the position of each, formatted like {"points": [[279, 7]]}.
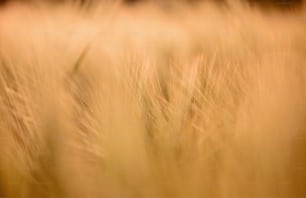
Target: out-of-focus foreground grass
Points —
{"points": [[142, 102]]}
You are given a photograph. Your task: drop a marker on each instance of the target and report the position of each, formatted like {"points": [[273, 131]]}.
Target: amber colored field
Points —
{"points": [[149, 102]]}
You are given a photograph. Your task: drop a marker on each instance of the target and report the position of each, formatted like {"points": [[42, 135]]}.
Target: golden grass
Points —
{"points": [[143, 102]]}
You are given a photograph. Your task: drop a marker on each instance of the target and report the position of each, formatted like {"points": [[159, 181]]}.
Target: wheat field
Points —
{"points": [[148, 102]]}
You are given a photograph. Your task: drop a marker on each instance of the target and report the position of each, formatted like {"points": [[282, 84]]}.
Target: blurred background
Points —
{"points": [[283, 4]]}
